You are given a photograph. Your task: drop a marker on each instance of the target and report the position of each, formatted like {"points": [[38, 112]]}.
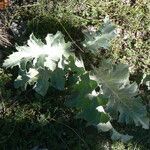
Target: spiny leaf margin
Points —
{"points": [[38, 62], [122, 96]]}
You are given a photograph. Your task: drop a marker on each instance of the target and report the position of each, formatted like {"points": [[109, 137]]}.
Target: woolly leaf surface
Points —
{"points": [[101, 38], [123, 96]]}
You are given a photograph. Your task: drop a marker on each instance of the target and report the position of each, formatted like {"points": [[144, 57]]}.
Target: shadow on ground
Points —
{"points": [[33, 121]]}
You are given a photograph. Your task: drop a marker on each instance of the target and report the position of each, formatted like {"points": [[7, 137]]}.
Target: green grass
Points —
{"points": [[28, 120]]}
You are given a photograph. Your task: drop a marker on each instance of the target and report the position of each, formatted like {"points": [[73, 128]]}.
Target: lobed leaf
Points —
{"points": [[48, 55], [122, 96], [41, 64], [83, 99], [101, 38]]}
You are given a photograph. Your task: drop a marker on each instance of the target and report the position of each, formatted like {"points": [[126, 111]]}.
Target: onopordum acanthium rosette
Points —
{"points": [[38, 62], [48, 64]]}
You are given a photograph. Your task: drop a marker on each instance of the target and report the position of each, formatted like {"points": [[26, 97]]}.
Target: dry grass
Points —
{"points": [[4, 37]]}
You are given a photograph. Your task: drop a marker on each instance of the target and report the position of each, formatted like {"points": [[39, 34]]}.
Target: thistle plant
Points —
{"points": [[43, 65]]}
